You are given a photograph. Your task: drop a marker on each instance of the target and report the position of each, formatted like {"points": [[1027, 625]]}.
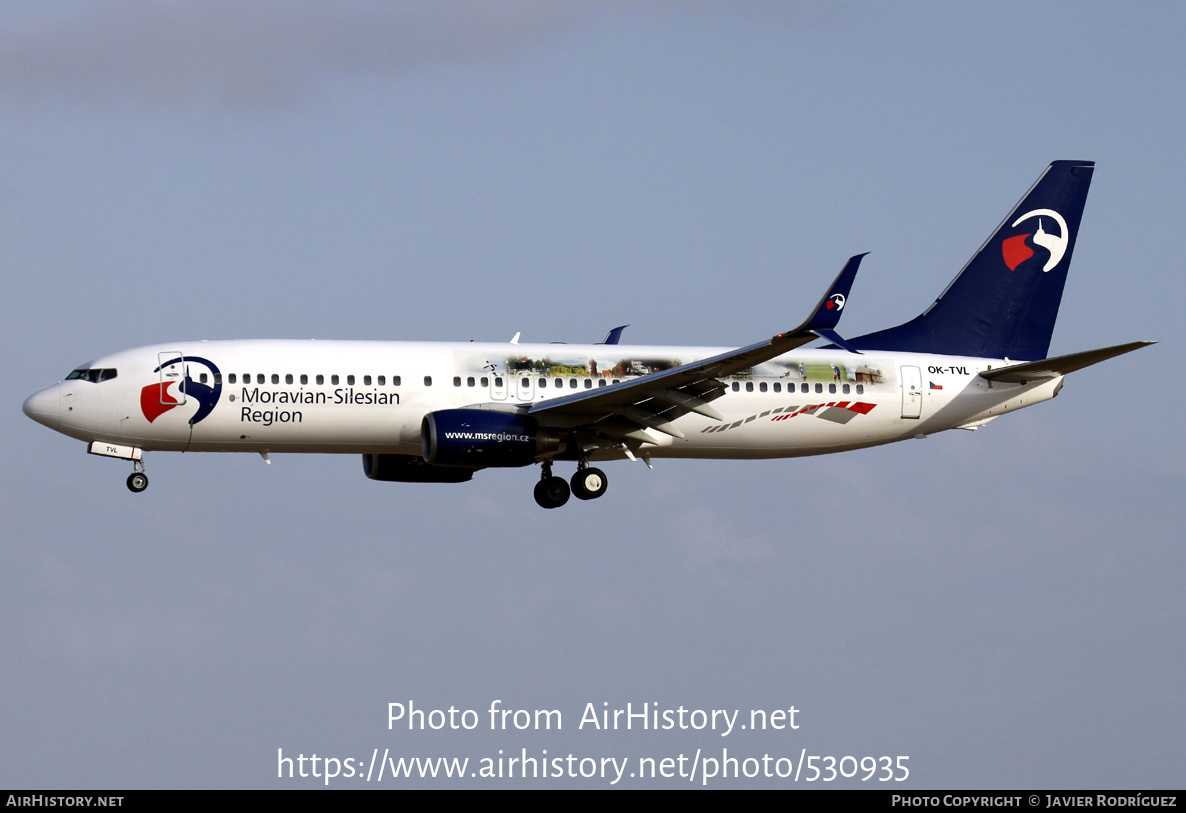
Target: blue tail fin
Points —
{"points": [[1004, 302]]}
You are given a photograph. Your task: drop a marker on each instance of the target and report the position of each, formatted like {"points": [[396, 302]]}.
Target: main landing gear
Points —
{"points": [[587, 484]]}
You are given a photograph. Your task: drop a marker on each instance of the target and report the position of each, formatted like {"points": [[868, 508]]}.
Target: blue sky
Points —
{"points": [[1005, 607]]}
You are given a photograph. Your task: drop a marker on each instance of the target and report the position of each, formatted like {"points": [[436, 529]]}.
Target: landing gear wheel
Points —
{"points": [[589, 484], [551, 492], [137, 482]]}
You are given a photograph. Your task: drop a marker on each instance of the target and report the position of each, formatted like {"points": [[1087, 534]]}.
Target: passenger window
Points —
{"points": [[350, 381], [456, 381], [860, 389], [259, 378], [572, 383], [818, 387], [805, 387], [844, 389], [201, 378], [749, 386], [523, 382], [832, 388], [382, 380], [736, 386], [601, 382], [366, 380], [498, 381], [428, 381], [395, 381], [543, 383], [485, 381], [304, 379], [588, 383], [288, 378], [333, 379], [231, 378], [762, 386], [777, 387], [320, 379], [469, 382]]}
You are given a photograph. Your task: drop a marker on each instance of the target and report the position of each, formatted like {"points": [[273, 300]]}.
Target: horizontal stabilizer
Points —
{"points": [[1059, 365]]}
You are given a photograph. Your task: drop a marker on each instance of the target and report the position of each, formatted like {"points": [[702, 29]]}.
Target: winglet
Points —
{"points": [[827, 313], [615, 335]]}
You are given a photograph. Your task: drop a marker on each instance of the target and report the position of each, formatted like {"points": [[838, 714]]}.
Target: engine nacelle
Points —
{"points": [[406, 468], [481, 438]]}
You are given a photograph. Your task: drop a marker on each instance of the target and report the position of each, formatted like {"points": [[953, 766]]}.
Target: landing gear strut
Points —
{"points": [[550, 491]]}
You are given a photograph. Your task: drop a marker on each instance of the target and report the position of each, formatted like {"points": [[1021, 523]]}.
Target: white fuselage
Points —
{"points": [[371, 397]]}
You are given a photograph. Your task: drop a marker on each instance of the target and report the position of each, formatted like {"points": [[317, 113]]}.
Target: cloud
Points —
{"points": [[255, 53]]}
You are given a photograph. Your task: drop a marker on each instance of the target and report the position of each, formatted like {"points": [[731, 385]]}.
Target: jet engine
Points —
{"points": [[481, 438], [406, 468]]}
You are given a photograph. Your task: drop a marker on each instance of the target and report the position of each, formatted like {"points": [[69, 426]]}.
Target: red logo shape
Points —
{"points": [[155, 400], [1015, 251]]}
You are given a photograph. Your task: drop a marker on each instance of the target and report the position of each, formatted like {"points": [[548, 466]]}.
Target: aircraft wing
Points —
{"points": [[1059, 365], [624, 411]]}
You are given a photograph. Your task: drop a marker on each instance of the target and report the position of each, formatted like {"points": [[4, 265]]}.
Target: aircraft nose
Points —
{"points": [[43, 406]]}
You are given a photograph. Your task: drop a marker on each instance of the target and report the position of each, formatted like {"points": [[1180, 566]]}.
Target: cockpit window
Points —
{"points": [[94, 375]]}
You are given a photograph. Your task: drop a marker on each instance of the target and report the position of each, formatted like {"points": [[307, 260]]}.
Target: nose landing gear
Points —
{"points": [[137, 480]]}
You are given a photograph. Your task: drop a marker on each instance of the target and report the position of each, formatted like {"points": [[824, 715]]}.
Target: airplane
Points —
{"points": [[427, 412]]}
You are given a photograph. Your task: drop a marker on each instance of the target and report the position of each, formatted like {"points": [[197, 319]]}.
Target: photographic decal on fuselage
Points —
{"points": [[602, 368], [836, 371], [158, 398]]}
